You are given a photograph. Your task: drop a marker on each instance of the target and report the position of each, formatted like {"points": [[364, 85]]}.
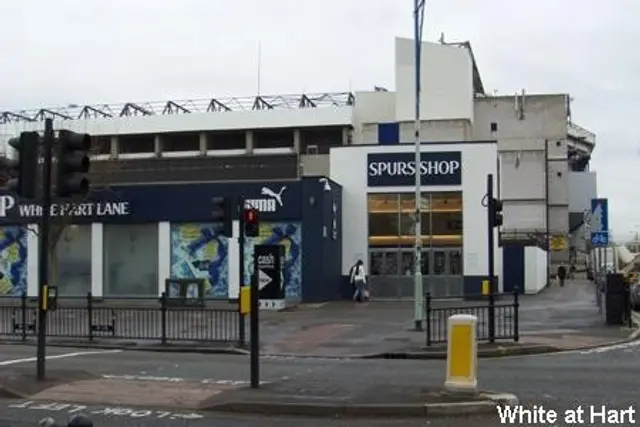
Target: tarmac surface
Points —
{"points": [[305, 360], [560, 381]]}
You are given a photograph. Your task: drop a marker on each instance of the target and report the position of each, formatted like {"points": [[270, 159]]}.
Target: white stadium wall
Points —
{"points": [[446, 82], [197, 122]]}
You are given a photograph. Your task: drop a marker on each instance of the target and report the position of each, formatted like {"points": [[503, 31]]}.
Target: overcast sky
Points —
{"points": [[80, 51]]}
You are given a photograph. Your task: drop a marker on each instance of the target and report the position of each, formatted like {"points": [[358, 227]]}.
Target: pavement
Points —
{"points": [[131, 388], [558, 319]]}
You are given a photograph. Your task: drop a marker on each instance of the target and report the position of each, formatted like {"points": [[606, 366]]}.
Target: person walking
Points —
{"points": [[359, 281], [562, 274]]}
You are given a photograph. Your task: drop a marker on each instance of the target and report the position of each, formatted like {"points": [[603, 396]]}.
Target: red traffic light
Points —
{"points": [[251, 216]]}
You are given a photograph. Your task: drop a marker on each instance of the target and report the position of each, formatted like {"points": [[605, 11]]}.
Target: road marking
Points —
{"points": [[105, 411], [57, 356], [206, 381], [604, 349]]}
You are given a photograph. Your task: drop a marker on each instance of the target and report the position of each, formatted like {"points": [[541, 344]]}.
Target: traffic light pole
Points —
{"points": [[43, 246], [491, 256], [241, 242], [255, 328]]}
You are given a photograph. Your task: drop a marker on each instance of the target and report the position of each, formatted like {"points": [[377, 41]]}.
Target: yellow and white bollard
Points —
{"points": [[462, 353]]}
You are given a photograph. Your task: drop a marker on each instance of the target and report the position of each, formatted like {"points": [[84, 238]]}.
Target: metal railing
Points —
{"points": [[152, 320], [438, 312]]}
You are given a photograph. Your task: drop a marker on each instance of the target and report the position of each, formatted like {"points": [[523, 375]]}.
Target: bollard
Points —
{"points": [[486, 288], [245, 300], [462, 353]]}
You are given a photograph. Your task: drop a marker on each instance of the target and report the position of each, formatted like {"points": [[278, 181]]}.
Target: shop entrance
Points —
{"points": [[391, 272], [391, 219]]}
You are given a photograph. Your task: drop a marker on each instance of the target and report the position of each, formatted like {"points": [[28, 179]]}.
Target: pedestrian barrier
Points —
{"points": [[438, 312], [141, 319]]}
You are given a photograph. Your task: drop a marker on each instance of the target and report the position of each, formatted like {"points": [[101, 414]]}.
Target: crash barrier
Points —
{"points": [[506, 309], [142, 319]]}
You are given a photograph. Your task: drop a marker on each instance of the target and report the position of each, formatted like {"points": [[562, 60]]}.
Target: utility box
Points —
{"points": [[616, 299]]}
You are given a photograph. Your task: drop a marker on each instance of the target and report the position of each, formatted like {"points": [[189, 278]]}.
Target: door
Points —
{"points": [[512, 268]]}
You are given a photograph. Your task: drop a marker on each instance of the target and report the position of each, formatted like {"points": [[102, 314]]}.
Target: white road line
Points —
{"points": [[608, 348], [179, 380], [57, 356]]}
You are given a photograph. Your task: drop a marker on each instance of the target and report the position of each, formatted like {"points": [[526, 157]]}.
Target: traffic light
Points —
{"points": [[72, 157], [496, 212], [251, 222], [222, 211], [24, 169]]}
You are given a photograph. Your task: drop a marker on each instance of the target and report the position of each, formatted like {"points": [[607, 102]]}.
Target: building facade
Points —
{"points": [[126, 241], [379, 207], [543, 155]]}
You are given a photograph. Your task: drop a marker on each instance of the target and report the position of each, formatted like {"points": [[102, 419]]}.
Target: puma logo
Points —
{"points": [[277, 196]]}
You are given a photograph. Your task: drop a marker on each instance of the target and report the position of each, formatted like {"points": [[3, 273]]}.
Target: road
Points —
{"points": [[560, 381]]}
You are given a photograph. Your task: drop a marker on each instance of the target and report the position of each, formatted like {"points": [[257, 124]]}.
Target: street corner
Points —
{"points": [[137, 392], [375, 402], [22, 382], [485, 351], [464, 404]]}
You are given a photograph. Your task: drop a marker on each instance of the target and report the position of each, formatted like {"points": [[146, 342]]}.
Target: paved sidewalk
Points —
{"points": [[556, 319], [563, 318]]}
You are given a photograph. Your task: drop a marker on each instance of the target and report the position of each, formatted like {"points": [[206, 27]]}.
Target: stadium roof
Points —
{"points": [[210, 105]]}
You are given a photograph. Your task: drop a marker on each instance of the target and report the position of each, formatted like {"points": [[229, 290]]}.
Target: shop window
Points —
{"points": [[376, 263], [199, 251], [392, 219], [71, 266], [425, 262], [439, 262], [13, 260], [391, 267], [407, 263], [455, 262], [130, 260], [383, 219]]}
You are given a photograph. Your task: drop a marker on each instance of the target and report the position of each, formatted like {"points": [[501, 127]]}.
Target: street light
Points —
{"points": [[418, 297]]}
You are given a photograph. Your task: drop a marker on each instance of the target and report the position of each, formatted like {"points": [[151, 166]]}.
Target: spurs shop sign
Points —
{"points": [[398, 169]]}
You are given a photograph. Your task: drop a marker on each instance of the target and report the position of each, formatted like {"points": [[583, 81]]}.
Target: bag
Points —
{"points": [[365, 294]]}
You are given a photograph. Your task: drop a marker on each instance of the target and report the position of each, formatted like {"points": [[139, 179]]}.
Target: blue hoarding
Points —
{"points": [[162, 202], [398, 169], [599, 222]]}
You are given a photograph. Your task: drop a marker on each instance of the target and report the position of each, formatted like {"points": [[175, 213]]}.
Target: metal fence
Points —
{"points": [[438, 312], [146, 320]]}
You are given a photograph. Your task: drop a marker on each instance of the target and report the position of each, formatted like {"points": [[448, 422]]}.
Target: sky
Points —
{"points": [[108, 51]]}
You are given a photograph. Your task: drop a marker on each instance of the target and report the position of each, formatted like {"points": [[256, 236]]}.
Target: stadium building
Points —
{"points": [[331, 176]]}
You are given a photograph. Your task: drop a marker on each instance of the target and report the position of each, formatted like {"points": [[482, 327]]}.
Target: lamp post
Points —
{"points": [[418, 312]]}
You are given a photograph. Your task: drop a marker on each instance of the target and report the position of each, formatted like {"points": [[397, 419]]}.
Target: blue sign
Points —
{"points": [[162, 202], [398, 169], [599, 222]]}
